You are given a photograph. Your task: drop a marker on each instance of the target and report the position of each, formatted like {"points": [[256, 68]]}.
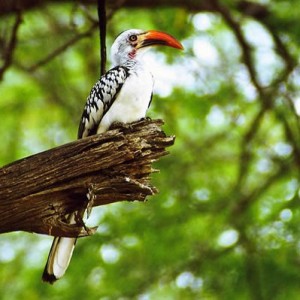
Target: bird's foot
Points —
{"points": [[146, 119], [115, 125], [120, 125]]}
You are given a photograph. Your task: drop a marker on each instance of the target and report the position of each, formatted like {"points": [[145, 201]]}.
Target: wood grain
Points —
{"points": [[37, 192]]}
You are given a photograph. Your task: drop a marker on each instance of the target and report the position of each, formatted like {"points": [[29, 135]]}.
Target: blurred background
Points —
{"points": [[225, 224]]}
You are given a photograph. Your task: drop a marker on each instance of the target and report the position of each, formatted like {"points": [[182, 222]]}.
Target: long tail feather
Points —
{"points": [[59, 258]]}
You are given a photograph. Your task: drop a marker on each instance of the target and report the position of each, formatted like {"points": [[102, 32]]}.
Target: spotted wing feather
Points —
{"points": [[101, 97]]}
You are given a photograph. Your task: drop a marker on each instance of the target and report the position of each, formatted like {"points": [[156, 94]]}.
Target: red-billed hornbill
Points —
{"points": [[121, 95]]}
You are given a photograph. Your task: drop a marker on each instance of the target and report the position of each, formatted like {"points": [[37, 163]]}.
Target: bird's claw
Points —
{"points": [[146, 119], [125, 126]]}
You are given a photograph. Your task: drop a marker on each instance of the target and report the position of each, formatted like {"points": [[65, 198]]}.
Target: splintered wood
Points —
{"points": [[38, 192]]}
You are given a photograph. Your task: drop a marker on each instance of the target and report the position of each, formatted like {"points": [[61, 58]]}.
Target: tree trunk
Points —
{"points": [[37, 192]]}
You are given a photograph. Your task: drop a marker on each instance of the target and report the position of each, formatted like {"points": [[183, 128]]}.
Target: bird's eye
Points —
{"points": [[132, 38]]}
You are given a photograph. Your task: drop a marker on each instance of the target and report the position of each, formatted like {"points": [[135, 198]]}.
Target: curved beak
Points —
{"points": [[154, 38]]}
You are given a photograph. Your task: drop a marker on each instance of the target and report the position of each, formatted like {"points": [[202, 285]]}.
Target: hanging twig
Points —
{"points": [[102, 32]]}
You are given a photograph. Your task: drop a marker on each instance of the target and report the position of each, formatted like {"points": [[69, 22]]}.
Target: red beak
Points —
{"points": [[153, 37]]}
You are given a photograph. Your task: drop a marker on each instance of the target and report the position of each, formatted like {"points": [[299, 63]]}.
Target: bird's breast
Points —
{"points": [[132, 101]]}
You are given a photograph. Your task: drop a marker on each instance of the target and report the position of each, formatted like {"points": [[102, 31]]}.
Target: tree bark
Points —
{"points": [[38, 192]]}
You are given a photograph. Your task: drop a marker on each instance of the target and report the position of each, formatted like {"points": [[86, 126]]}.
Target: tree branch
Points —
{"points": [[9, 6], [246, 149], [95, 24], [8, 50], [37, 192], [62, 48], [248, 198], [245, 47]]}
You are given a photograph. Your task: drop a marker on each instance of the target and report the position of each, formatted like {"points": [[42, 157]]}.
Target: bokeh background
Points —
{"points": [[225, 224]]}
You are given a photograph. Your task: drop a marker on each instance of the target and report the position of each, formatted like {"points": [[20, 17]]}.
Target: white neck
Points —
{"points": [[123, 59]]}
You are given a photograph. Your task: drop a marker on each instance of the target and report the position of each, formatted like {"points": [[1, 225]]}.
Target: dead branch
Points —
{"points": [[37, 192]]}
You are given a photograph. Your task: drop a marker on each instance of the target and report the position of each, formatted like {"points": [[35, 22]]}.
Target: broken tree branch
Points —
{"points": [[37, 192]]}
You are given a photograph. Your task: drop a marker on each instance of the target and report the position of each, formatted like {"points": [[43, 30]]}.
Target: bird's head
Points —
{"points": [[130, 44]]}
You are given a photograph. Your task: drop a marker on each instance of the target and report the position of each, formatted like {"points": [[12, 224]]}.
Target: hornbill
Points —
{"points": [[122, 95]]}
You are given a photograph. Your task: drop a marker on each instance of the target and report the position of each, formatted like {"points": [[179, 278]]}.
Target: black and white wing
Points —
{"points": [[101, 97]]}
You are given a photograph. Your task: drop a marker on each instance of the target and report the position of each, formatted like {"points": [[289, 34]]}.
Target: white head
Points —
{"points": [[130, 44]]}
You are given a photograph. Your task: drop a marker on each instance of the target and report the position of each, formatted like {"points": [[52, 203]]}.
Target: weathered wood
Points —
{"points": [[37, 192]]}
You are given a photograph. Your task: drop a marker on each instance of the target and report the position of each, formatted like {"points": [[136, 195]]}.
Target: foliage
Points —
{"points": [[226, 222]]}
